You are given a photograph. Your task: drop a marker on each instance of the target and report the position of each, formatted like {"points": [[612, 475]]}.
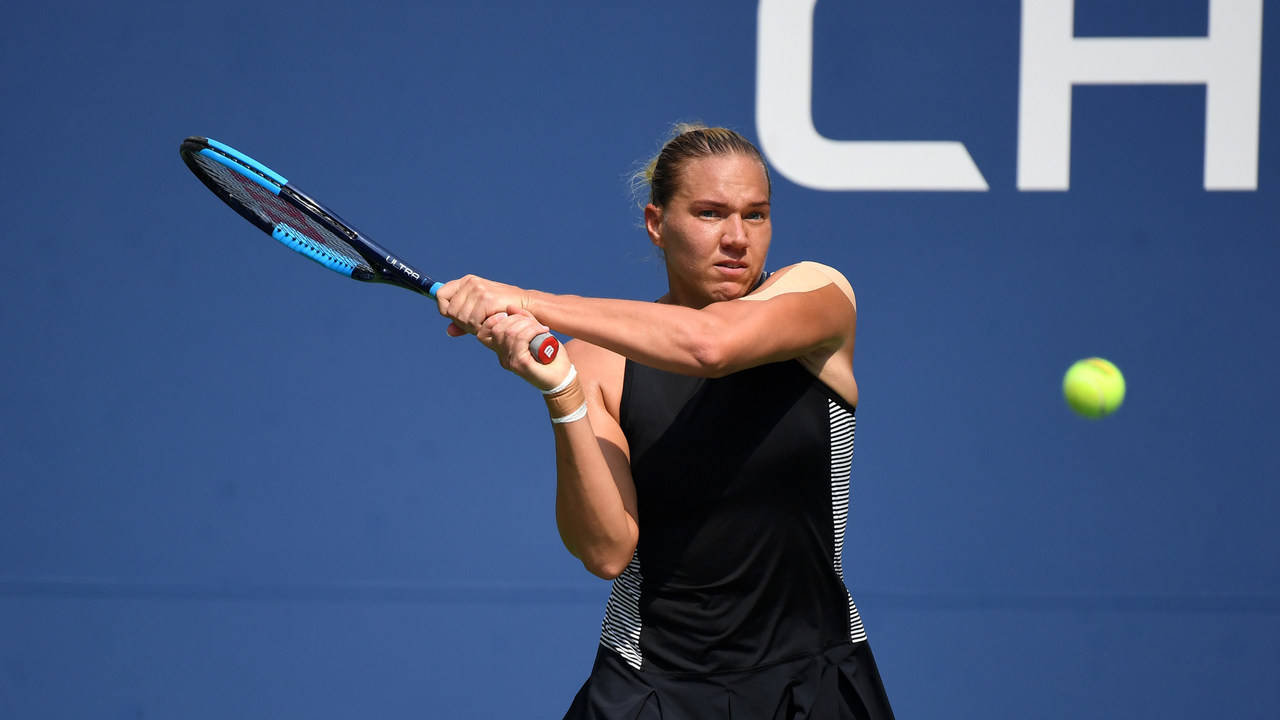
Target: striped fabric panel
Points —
{"points": [[842, 424], [620, 630]]}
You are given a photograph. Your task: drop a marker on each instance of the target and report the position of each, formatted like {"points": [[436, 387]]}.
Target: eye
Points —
{"points": [[757, 216], [708, 213]]}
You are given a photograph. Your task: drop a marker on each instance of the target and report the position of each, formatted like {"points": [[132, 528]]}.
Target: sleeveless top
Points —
{"points": [[743, 491]]}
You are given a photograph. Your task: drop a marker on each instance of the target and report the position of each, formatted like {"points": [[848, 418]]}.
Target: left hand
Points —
{"points": [[470, 300], [508, 335]]}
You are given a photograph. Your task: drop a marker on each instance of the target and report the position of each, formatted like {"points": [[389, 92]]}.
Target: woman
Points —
{"points": [[702, 455]]}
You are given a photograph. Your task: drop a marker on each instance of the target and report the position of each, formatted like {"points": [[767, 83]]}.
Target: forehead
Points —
{"points": [[724, 177]]}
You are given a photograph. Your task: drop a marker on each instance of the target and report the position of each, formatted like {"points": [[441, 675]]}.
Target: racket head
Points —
{"points": [[265, 198]]}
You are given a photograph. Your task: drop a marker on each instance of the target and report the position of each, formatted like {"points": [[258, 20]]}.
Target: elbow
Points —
{"points": [[608, 565], [715, 344], [710, 357], [605, 570]]}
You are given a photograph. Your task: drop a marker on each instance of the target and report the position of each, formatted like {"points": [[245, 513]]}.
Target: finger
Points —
{"points": [[508, 333], [489, 333], [444, 296], [487, 329], [455, 298], [506, 327], [501, 326], [470, 311]]}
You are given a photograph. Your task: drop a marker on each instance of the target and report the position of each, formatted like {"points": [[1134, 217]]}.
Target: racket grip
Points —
{"points": [[544, 347]]}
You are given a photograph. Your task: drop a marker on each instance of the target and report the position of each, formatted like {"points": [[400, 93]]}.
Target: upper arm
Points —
{"points": [[805, 309]]}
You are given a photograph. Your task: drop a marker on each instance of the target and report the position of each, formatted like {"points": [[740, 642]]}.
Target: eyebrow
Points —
{"points": [[718, 204]]}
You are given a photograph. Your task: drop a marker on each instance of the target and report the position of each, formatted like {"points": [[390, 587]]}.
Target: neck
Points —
{"points": [[677, 296]]}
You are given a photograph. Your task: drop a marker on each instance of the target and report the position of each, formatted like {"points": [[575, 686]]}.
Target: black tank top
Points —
{"points": [[743, 489]]}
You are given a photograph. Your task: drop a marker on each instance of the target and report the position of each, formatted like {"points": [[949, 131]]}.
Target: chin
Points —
{"points": [[723, 291]]}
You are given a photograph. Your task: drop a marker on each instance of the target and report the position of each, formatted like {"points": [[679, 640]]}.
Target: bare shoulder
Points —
{"points": [[803, 277], [833, 364], [600, 371]]}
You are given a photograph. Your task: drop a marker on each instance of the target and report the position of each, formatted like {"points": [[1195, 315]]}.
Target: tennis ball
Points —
{"points": [[1093, 387]]}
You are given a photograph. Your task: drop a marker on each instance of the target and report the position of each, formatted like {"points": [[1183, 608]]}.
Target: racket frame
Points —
{"points": [[387, 267]]}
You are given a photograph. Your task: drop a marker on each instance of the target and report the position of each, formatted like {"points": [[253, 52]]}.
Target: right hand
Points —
{"points": [[508, 335], [471, 300]]}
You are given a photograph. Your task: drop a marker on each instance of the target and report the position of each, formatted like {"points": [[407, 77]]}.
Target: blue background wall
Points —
{"points": [[236, 486]]}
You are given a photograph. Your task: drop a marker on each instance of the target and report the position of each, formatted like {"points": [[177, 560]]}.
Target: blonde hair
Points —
{"points": [[688, 141]]}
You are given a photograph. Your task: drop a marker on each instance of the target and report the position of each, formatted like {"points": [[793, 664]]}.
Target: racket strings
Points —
{"points": [[287, 223]]}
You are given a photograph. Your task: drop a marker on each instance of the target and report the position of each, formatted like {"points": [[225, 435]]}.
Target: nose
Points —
{"points": [[735, 232]]}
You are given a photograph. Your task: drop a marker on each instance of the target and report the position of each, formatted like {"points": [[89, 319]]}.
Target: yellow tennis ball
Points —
{"points": [[1093, 387]]}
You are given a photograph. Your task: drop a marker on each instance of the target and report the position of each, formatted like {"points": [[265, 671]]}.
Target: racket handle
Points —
{"points": [[544, 348]]}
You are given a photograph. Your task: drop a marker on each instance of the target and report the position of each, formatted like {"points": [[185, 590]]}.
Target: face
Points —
{"points": [[715, 229]]}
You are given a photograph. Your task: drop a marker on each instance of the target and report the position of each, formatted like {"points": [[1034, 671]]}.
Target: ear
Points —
{"points": [[653, 223]]}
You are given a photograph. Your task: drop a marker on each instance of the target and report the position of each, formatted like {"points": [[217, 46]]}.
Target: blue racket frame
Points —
{"points": [[386, 267], [379, 264]]}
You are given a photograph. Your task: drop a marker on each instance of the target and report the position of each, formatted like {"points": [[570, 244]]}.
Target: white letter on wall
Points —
{"points": [[784, 121], [1228, 61]]}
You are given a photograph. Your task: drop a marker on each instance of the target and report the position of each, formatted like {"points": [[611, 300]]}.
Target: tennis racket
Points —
{"points": [[266, 199]]}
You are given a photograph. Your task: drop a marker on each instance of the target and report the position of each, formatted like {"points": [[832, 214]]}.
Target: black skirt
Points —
{"points": [[841, 683]]}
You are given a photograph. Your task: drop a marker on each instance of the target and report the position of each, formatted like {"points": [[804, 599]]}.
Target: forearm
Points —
{"points": [[595, 500], [710, 341], [668, 337], [591, 511]]}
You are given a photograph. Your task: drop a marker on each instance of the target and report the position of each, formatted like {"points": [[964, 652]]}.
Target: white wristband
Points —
{"points": [[578, 414], [573, 373]]}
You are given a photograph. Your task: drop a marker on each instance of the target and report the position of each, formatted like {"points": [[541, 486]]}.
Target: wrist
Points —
{"points": [[567, 402], [569, 378], [534, 301]]}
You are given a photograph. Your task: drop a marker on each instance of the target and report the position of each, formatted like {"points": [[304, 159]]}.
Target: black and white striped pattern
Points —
{"points": [[620, 631], [841, 428]]}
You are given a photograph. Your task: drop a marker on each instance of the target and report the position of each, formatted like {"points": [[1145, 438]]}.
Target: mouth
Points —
{"points": [[732, 267]]}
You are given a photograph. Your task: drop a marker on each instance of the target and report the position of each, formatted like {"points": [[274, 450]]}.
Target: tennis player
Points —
{"points": [[703, 447]]}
